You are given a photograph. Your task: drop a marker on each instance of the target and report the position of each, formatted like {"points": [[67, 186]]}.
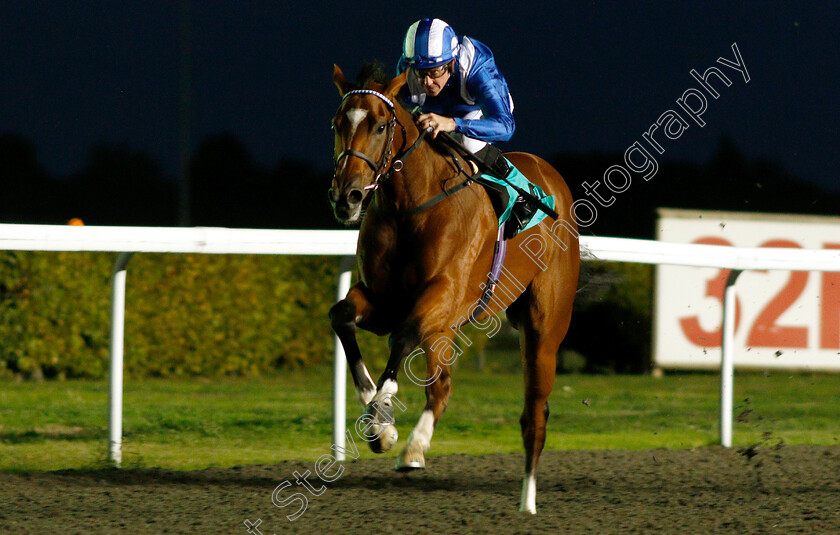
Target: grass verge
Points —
{"points": [[195, 424]]}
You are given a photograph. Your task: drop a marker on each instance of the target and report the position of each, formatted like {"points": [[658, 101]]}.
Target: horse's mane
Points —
{"points": [[372, 72]]}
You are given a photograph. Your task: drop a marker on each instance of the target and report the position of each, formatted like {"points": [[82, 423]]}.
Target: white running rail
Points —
{"points": [[129, 240]]}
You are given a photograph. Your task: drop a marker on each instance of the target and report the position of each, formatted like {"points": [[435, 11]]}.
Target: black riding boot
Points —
{"points": [[497, 164], [499, 167]]}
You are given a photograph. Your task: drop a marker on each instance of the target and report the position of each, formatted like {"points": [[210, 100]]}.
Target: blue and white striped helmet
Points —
{"points": [[429, 43]]}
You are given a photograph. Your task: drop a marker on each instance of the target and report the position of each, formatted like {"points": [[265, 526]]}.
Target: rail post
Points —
{"points": [[340, 368], [116, 365], [726, 359]]}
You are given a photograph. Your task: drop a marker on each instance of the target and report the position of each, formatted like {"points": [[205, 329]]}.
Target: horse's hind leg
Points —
{"points": [[543, 328]]}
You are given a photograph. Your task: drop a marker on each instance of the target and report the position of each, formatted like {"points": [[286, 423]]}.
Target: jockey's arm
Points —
{"points": [[490, 92], [497, 123]]}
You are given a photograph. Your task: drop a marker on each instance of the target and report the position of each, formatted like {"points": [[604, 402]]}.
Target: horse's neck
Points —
{"points": [[423, 176]]}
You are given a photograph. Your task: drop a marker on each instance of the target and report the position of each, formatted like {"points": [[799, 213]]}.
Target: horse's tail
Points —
{"points": [[593, 282]]}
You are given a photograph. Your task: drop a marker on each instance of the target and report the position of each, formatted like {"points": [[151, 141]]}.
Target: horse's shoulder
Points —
{"points": [[377, 230]]}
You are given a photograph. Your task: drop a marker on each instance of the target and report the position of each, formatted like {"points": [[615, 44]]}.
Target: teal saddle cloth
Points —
{"points": [[522, 181]]}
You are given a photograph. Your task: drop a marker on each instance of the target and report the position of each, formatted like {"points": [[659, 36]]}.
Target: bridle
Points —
{"points": [[381, 169]]}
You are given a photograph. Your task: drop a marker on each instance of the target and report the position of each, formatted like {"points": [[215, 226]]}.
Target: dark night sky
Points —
{"points": [[584, 76]]}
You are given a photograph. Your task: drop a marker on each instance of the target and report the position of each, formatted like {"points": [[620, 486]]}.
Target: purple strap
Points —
{"points": [[495, 272]]}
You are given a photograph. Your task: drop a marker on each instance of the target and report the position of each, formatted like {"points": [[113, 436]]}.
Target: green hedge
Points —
{"points": [[186, 315], [222, 315]]}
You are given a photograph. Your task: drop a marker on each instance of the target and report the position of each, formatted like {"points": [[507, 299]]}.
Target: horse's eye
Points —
{"points": [[332, 124], [380, 129]]}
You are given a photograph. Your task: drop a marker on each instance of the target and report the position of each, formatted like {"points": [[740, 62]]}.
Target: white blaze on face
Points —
{"points": [[355, 116]]}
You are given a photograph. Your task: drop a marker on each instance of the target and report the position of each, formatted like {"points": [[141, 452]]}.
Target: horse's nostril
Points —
{"points": [[355, 196], [332, 195]]}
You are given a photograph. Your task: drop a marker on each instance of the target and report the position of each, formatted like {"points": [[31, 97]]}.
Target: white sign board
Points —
{"points": [[784, 319]]}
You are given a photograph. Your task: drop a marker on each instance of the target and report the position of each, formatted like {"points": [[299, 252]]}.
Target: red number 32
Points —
{"points": [[765, 331]]}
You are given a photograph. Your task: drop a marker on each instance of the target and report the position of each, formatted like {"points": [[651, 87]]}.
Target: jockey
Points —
{"points": [[458, 88]]}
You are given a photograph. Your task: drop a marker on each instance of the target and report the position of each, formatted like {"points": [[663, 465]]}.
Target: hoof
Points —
{"points": [[386, 437], [381, 433], [410, 461], [409, 467]]}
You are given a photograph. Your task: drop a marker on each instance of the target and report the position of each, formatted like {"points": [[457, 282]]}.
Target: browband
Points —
{"points": [[385, 99]]}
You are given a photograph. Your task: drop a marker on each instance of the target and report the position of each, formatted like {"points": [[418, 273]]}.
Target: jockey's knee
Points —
{"points": [[473, 145], [494, 160]]}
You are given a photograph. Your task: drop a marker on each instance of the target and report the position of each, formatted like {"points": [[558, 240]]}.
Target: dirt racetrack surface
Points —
{"points": [[707, 490]]}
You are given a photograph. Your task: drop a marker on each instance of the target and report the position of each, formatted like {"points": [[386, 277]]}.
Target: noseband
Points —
{"points": [[381, 169]]}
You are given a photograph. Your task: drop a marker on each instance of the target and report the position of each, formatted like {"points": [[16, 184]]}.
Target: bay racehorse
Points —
{"points": [[423, 258]]}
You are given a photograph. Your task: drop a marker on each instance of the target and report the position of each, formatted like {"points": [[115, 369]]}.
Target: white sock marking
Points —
{"points": [[388, 387], [422, 433], [529, 494], [365, 395]]}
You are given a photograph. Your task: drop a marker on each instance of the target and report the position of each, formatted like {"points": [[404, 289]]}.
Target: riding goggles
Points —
{"points": [[434, 73]]}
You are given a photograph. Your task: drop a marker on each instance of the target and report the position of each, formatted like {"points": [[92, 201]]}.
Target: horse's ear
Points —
{"points": [[340, 81], [395, 85]]}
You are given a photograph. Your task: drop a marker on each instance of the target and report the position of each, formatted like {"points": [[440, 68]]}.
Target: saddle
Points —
{"points": [[502, 181], [520, 214], [518, 203]]}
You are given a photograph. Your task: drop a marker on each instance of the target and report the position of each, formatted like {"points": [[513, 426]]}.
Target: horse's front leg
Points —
{"points": [[355, 308], [380, 430], [430, 315], [439, 352]]}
